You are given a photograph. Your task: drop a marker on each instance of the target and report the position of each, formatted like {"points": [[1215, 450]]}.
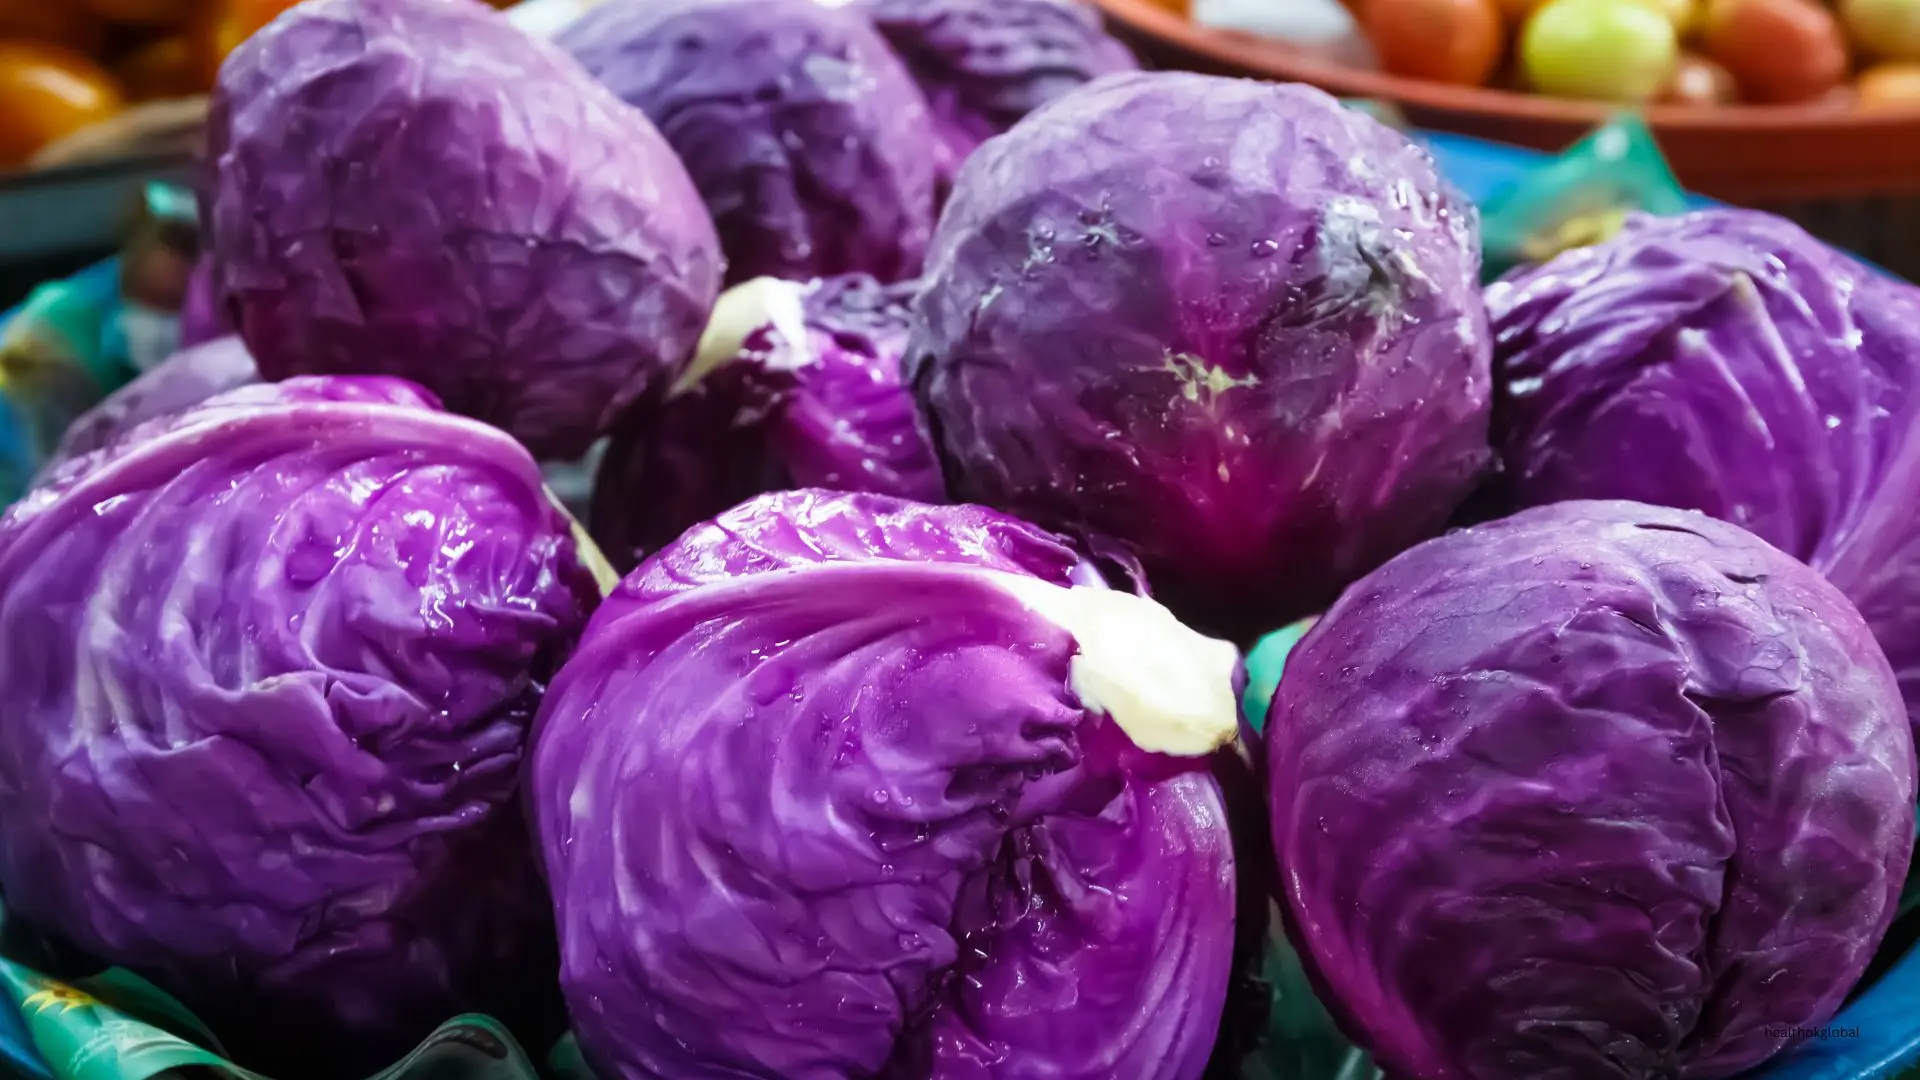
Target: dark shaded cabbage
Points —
{"points": [[1230, 324], [417, 188], [270, 666], [808, 139], [985, 64], [795, 386], [820, 796], [180, 382], [201, 319], [1622, 792], [1730, 363]]}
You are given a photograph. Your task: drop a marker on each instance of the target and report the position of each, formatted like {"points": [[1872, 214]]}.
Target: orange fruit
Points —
{"points": [[223, 24], [1895, 84], [1449, 41], [48, 92]]}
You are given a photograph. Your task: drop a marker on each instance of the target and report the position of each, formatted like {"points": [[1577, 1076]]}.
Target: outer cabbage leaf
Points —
{"points": [[417, 188], [270, 667], [180, 382], [807, 137], [1623, 792], [201, 319], [1728, 362], [985, 64], [793, 386], [1231, 324], [843, 786]]}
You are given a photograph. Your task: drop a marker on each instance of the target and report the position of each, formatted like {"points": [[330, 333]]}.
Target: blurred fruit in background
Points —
{"points": [[1450, 41], [1886, 29], [1779, 51], [139, 12], [1612, 50], [1810, 54], [1895, 84], [1699, 81], [165, 67], [48, 92], [1681, 13], [1516, 11], [222, 25], [61, 21]]}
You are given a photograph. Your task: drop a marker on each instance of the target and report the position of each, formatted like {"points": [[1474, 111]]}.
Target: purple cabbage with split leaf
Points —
{"points": [[417, 188], [180, 382], [1599, 790], [793, 386], [808, 139], [1727, 362], [985, 64], [841, 785], [271, 664], [1229, 324]]}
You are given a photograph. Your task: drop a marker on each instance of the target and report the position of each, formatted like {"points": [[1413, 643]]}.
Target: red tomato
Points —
{"points": [[48, 92], [1779, 51], [1449, 41]]}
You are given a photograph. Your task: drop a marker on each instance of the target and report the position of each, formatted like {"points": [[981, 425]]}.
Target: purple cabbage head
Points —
{"points": [[180, 382], [794, 386], [417, 188], [1229, 324], [842, 785], [809, 140], [1622, 791], [985, 64], [1727, 362], [270, 667]]}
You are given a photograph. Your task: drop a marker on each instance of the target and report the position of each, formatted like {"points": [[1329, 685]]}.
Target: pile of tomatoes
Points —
{"points": [[68, 64], [1851, 53]]}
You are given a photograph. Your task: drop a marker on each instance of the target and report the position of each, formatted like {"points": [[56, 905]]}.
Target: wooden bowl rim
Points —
{"points": [[1276, 59]]}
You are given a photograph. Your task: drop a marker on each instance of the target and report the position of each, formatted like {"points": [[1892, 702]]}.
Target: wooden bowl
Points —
{"points": [[1755, 155]]}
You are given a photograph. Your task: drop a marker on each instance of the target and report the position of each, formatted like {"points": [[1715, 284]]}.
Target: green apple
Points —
{"points": [[1611, 50]]}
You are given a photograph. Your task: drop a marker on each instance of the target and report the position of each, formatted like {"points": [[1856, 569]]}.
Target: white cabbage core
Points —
{"points": [[1169, 687], [740, 311]]}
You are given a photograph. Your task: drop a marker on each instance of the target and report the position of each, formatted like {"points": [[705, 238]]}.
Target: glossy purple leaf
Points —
{"points": [[794, 386], [808, 139], [1599, 790], [270, 667], [985, 64], [1232, 325], [417, 188], [835, 787], [1728, 362]]}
